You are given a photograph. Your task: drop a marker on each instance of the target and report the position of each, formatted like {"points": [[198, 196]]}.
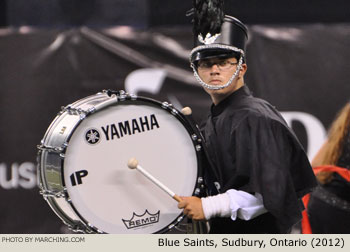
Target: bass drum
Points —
{"points": [[83, 172]]}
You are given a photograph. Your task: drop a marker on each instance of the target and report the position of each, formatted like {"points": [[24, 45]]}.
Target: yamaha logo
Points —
{"points": [[141, 220], [92, 136]]}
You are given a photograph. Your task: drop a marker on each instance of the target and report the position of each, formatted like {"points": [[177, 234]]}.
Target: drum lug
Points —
{"points": [[77, 111], [198, 147], [133, 97], [194, 137], [200, 180], [48, 193], [80, 227], [165, 105], [122, 95], [76, 228], [180, 218], [174, 111], [91, 110], [171, 226], [197, 191], [217, 185], [168, 106], [43, 147]]}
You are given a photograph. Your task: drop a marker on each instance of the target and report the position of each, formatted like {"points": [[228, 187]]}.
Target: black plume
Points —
{"points": [[208, 16]]}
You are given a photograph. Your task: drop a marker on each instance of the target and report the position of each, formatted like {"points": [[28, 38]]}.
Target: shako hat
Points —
{"points": [[231, 40], [216, 34]]}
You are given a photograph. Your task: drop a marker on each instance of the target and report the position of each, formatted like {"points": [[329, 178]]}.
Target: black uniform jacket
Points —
{"points": [[252, 149]]}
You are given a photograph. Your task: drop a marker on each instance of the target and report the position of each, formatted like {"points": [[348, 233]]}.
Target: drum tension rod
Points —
{"points": [[43, 147], [169, 107], [118, 93], [82, 228], [76, 111], [47, 193]]}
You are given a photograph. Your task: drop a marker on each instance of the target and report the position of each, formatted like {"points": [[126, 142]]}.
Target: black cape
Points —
{"points": [[252, 149]]}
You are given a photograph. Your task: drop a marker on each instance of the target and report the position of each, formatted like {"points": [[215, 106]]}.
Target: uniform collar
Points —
{"points": [[229, 100]]}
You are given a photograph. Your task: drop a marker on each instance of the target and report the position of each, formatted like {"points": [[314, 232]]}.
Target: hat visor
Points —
{"points": [[213, 53]]}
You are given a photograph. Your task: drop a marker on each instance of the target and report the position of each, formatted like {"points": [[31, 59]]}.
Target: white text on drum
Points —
{"points": [[130, 127]]}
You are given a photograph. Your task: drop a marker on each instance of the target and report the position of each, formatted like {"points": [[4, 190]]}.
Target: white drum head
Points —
{"points": [[109, 196]]}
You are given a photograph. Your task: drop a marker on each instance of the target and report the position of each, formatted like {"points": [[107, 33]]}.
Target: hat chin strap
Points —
{"points": [[218, 87]]}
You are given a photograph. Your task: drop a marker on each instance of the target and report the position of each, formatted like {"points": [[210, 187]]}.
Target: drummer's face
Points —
{"points": [[218, 71]]}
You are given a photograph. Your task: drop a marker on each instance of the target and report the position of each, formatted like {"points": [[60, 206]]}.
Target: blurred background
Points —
{"points": [[55, 52]]}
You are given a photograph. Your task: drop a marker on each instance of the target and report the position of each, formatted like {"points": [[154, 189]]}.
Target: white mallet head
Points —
{"points": [[132, 163], [186, 111]]}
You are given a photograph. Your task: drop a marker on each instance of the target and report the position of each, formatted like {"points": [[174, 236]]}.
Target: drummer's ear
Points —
{"points": [[243, 70]]}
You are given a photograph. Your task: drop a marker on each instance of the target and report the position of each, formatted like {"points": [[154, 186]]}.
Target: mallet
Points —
{"points": [[134, 164], [186, 111]]}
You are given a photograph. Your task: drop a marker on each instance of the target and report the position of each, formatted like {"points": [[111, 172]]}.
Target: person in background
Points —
{"points": [[328, 207]]}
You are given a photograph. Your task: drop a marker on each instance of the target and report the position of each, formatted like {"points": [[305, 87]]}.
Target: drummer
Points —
{"points": [[259, 169]]}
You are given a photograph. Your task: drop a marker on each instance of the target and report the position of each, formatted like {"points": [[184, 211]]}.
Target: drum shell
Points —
{"points": [[50, 158]]}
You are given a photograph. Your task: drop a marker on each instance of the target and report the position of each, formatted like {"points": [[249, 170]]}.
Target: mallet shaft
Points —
{"points": [[134, 164], [158, 183]]}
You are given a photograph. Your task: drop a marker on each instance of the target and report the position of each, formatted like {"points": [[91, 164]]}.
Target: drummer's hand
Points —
{"points": [[192, 207]]}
